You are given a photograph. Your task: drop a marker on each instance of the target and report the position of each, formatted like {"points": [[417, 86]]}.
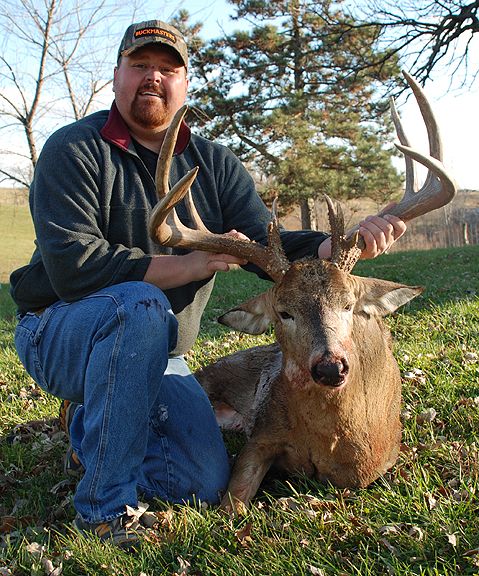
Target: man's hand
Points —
{"points": [[174, 271], [379, 234]]}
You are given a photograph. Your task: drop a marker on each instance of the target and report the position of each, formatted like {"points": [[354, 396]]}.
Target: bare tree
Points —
{"points": [[428, 33], [56, 57]]}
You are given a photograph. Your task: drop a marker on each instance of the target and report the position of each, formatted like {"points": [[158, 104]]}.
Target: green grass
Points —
{"points": [[422, 518], [16, 246]]}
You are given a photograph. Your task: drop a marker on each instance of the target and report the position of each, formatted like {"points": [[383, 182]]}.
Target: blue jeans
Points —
{"points": [[145, 426]]}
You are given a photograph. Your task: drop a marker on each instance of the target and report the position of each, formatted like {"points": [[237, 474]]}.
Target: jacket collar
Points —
{"points": [[116, 131]]}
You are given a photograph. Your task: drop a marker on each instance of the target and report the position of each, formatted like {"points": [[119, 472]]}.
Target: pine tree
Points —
{"points": [[296, 97]]}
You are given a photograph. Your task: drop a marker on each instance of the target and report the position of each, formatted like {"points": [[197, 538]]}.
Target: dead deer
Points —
{"points": [[325, 399]]}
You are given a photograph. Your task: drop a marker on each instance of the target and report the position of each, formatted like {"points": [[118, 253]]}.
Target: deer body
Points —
{"points": [[325, 400]]}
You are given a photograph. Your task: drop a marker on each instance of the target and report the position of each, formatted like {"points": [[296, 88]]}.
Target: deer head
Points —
{"points": [[315, 309]]}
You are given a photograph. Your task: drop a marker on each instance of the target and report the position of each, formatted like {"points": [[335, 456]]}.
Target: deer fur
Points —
{"points": [[325, 399]]}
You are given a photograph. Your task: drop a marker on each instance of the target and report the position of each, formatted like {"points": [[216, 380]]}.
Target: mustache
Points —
{"points": [[153, 88]]}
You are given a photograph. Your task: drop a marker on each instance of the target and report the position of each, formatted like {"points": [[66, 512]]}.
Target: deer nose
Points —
{"points": [[330, 371]]}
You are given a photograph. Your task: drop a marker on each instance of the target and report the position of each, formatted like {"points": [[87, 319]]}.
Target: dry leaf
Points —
{"points": [[388, 529], [432, 502], [35, 549], [289, 504], [184, 566], [388, 545], [470, 357], [451, 538], [136, 512], [316, 571], [50, 570], [416, 532], [244, 534], [426, 416]]}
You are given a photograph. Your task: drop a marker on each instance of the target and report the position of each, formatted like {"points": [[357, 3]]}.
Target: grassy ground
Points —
{"points": [[422, 518], [16, 246]]}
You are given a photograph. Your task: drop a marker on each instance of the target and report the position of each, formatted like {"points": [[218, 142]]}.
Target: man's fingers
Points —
{"points": [[398, 225], [236, 234], [380, 233], [224, 262]]}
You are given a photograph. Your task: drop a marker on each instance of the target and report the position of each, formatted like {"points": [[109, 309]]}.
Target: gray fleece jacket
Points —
{"points": [[90, 200]]}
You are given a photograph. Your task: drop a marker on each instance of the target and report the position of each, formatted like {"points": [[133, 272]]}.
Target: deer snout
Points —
{"points": [[330, 371]]}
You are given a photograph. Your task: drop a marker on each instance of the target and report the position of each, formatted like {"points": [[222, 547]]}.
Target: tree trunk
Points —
{"points": [[305, 214]]}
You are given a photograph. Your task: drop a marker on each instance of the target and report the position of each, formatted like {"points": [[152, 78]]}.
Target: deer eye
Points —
{"points": [[285, 316], [348, 306]]}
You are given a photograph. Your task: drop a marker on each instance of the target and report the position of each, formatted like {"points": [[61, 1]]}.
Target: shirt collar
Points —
{"points": [[116, 131]]}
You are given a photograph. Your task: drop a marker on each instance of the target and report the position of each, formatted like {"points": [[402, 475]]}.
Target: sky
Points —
{"points": [[456, 110]]}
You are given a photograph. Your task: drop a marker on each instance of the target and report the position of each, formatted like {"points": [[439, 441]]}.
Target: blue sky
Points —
{"points": [[456, 109]]}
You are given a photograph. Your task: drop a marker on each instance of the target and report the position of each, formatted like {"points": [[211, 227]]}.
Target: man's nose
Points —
{"points": [[153, 74]]}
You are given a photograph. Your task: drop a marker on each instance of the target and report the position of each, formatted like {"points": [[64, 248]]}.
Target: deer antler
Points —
{"points": [[166, 228], [439, 187], [345, 252]]}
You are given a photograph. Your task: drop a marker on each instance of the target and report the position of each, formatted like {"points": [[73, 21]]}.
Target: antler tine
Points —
{"points": [[166, 228], [411, 181], [439, 187], [345, 252]]}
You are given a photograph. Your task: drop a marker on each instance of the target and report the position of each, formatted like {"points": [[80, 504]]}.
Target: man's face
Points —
{"points": [[150, 86]]}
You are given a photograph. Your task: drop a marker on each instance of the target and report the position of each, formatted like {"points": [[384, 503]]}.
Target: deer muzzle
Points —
{"points": [[330, 370]]}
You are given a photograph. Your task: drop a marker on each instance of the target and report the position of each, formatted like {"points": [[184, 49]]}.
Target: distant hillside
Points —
{"points": [[16, 196], [356, 210]]}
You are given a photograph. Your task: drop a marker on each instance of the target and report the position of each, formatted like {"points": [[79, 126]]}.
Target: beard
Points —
{"points": [[152, 112]]}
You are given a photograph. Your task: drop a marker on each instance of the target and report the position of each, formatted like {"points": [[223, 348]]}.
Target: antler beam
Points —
{"points": [[166, 228]]}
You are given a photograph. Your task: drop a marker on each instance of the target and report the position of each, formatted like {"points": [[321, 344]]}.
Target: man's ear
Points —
{"points": [[253, 316], [381, 297]]}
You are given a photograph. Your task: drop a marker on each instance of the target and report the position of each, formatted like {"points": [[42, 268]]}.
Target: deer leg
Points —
{"points": [[249, 470]]}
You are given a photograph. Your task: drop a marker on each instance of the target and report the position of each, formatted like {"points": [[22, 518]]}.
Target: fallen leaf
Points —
{"points": [[50, 569], [316, 571], [10, 523], [426, 416], [432, 502], [388, 529], [184, 566], [243, 535], [452, 539], [289, 504], [470, 357], [35, 549], [384, 542], [416, 533]]}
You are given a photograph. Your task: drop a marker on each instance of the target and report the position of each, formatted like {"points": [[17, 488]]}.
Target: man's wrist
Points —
{"points": [[324, 249]]}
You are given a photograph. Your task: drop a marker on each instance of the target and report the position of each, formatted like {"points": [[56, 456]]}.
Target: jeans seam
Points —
{"points": [[106, 417], [166, 452]]}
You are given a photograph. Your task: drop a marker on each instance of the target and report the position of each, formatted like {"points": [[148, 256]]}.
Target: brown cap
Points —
{"points": [[151, 32]]}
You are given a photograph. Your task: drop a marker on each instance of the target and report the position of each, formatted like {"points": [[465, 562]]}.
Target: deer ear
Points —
{"points": [[253, 316], [381, 297]]}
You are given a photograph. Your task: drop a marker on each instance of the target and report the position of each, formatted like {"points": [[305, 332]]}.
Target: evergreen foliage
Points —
{"points": [[298, 99]]}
